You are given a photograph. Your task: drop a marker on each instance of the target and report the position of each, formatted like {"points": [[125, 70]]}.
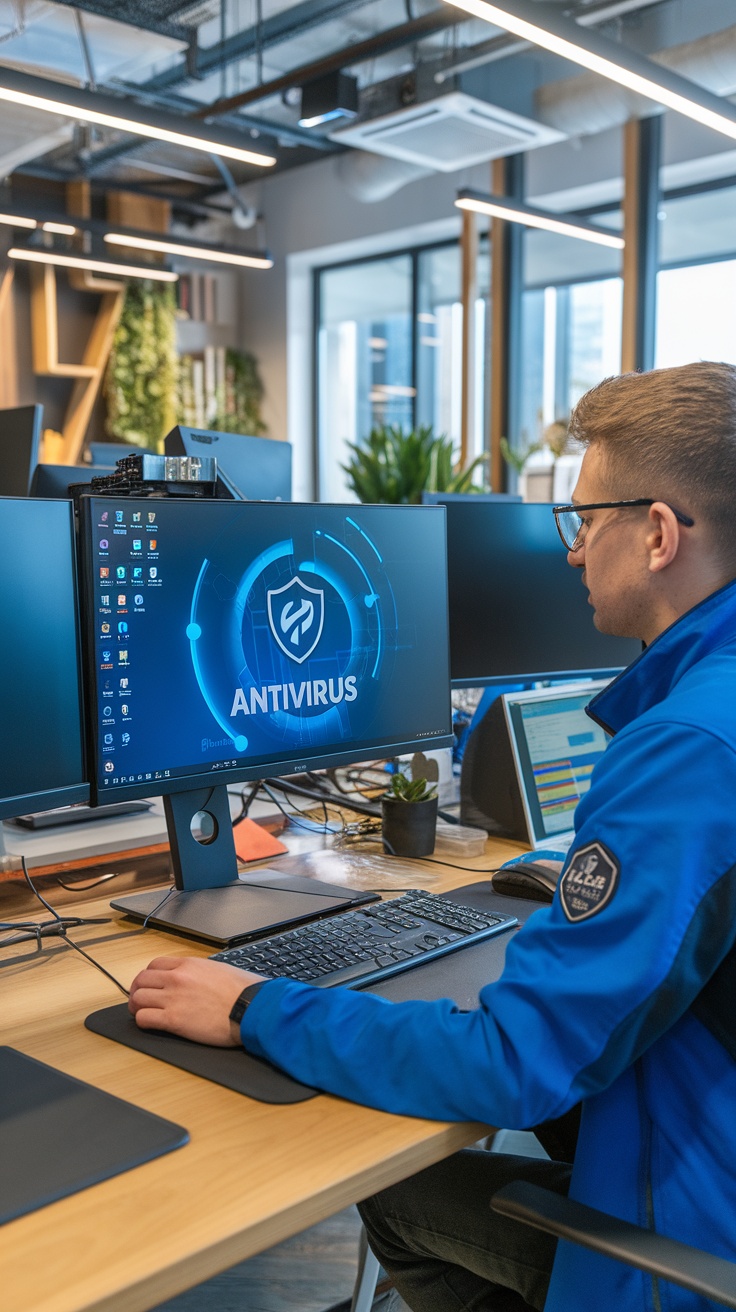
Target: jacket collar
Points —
{"points": [[652, 676]]}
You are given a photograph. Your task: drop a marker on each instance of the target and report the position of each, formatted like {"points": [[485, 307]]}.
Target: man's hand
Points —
{"points": [[189, 996]]}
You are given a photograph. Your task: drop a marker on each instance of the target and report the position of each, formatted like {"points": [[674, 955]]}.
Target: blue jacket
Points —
{"points": [[605, 996]]}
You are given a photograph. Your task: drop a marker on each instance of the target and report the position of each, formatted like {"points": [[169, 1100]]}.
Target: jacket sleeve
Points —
{"points": [[579, 999]]}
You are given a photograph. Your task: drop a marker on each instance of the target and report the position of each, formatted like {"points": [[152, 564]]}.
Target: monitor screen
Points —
{"points": [[233, 640], [54, 481], [259, 467], [20, 437], [556, 747], [517, 609], [41, 764]]}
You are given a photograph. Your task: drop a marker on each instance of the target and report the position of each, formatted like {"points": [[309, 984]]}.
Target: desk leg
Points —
{"points": [[367, 1277]]}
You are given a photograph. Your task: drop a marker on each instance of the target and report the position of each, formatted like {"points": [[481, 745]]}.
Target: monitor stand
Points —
{"points": [[209, 900]]}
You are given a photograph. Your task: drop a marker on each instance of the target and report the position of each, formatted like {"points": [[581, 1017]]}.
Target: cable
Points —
{"points": [[316, 795], [63, 925], [93, 883]]}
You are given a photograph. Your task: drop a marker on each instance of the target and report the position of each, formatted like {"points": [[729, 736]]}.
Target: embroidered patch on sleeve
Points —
{"points": [[589, 883]]}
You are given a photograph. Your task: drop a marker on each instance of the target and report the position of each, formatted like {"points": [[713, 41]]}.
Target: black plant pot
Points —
{"points": [[409, 827]]}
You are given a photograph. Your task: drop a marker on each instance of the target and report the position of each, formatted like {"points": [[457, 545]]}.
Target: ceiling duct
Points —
{"points": [[447, 133], [581, 106], [373, 178]]}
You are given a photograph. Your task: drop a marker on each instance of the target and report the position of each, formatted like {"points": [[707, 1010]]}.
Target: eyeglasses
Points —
{"points": [[572, 528]]}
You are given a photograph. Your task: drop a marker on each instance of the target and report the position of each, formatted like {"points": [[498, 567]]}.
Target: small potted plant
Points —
{"points": [[409, 811]]}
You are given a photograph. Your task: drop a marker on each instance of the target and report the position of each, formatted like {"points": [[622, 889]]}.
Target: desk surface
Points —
{"points": [[251, 1175]]}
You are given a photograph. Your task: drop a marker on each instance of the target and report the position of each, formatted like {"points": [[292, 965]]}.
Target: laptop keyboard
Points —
{"points": [[358, 947]]}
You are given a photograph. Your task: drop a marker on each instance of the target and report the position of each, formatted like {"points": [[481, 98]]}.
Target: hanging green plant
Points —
{"points": [[141, 378], [239, 402]]}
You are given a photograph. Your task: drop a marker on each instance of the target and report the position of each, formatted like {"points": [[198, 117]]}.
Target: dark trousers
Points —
{"points": [[444, 1248]]}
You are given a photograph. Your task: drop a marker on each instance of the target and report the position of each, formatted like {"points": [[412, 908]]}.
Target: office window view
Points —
{"points": [[696, 284], [571, 324], [389, 350]]}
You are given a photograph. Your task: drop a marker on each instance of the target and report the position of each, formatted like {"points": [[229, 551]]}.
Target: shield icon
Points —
{"points": [[296, 615]]}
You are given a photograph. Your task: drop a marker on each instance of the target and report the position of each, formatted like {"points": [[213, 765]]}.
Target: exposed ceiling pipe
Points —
{"points": [[580, 106], [370, 178], [380, 44], [501, 47]]}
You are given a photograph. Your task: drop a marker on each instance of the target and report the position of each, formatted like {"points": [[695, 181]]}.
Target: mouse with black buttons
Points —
{"points": [[530, 878]]}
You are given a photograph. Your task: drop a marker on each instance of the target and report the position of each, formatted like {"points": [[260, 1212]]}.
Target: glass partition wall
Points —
{"points": [[389, 351]]}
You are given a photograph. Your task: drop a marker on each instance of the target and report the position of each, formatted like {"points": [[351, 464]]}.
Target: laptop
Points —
{"points": [[555, 747]]}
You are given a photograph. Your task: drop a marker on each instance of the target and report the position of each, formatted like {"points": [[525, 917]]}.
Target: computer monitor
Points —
{"points": [[517, 609], [53, 481], [460, 498], [260, 467], [41, 762], [20, 438], [108, 453], [530, 761], [231, 641]]}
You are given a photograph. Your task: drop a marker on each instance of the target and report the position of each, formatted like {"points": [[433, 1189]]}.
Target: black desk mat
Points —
{"points": [[59, 1135], [459, 976]]}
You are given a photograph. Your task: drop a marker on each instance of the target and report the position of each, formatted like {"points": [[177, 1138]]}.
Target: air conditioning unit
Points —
{"points": [[447, 133]]}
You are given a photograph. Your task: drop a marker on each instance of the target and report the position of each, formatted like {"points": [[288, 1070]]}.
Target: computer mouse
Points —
{"points": [[528, 879]]}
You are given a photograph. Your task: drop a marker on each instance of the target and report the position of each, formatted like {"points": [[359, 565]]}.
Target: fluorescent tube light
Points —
{"points": [[210, 254], [13, 221], [65, 229], [599, 54], [42, 256], [20, 88], [500, 207]]}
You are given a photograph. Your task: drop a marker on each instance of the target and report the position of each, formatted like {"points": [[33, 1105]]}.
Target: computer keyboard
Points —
{"points": [[357, 947]]}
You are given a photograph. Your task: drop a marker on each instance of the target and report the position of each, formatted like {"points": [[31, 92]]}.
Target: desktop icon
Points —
{"points": [[126, 738], [108, 738], [104, 572], [123, 656], [138, 599], [105, 628], [137, 544], [152, 516], [124, 682], [122, 599], [119, 516], [152, 544], [153, 572], [103, 517], [137, 571], [121, 572], [136, 516], [106, 656], [104, 544], [105, 599], [124, 708], [122, 627], [109, 767]]}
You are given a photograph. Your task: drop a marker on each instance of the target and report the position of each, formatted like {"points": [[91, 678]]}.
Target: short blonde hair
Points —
{"points": [[669, 434]]}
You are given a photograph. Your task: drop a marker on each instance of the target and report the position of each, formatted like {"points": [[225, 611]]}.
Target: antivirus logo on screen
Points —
{"points": [[296, 615]]}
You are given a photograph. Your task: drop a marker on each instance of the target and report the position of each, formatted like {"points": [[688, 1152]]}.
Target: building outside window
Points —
{"points": [[696, 284], [389, 351]]}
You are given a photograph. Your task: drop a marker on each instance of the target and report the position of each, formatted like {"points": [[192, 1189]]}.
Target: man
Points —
{"points": [[621, 994]]}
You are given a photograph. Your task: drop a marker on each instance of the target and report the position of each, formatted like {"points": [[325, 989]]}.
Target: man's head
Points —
{"points": [[669, 435]]}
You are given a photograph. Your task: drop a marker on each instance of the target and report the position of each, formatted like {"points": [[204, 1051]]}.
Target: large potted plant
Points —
{"points": [[395, 465], [409, 817]]}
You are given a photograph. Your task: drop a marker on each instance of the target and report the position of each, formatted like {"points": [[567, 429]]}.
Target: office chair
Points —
{"points": [[702, 1273]]}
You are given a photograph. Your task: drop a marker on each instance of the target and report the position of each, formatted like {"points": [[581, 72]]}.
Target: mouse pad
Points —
{"points": [[59, 1135], [460, 976]]}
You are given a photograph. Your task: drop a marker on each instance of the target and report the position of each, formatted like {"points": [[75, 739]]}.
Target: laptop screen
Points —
{"points": [[555, 747]]}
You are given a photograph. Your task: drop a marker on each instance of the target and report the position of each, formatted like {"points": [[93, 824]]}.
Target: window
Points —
{"points": [[696, 284], [389, 351]]}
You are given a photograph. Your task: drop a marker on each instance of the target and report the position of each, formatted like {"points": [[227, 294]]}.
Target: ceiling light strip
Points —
{"points": [[42, 256], [209, 254], [17, 221], [600, 55], [88, 107], [500, 207]]}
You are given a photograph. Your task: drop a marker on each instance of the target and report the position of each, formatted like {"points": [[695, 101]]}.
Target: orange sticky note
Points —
{"points": [[252, 841]]}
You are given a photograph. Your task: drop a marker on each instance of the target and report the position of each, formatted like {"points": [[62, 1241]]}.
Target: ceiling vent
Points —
{"points": [[448, 133]]}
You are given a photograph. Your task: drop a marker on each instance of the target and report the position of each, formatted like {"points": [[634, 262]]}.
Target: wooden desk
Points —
{"points": [[251, 1175]]}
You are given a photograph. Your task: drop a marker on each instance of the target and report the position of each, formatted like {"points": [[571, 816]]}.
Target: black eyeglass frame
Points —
{"points": [[571, 508]]}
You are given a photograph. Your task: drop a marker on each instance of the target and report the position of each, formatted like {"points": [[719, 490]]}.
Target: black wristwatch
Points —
{"points": [[242, 1003]]}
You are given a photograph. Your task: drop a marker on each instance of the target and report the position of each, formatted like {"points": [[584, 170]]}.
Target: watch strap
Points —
{"points": [[243, 1001]]}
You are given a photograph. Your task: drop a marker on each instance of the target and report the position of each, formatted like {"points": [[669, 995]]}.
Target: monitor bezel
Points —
{"points": [[594, 686], [69, 794], [241, 773]]}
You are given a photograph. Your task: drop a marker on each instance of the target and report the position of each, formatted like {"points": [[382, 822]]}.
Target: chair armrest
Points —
{"points": [[703, 1273]]}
